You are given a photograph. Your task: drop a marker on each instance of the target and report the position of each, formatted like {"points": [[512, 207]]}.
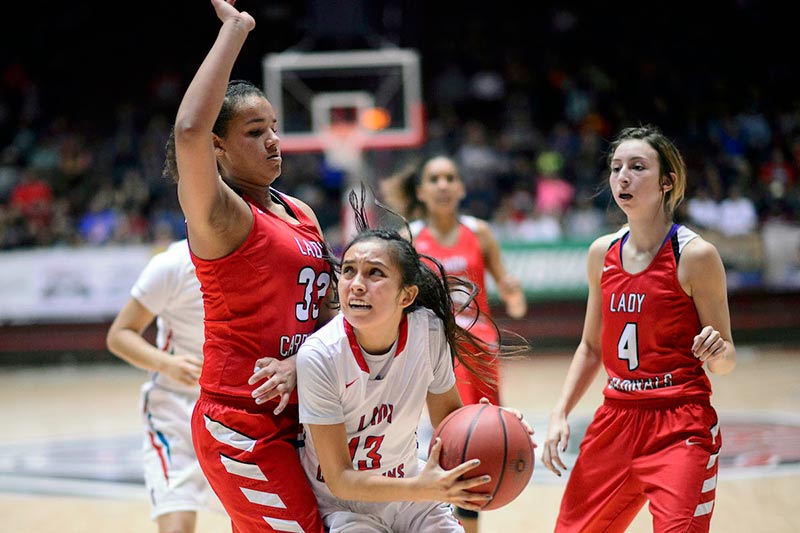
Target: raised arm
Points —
{"points": [[211, 208]]}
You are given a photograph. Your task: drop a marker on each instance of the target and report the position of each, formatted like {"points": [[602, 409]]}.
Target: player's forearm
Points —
{"points": [[130, 346], [513, 297], [582, 371], [369, 487], [201, 103], [726, 362]]}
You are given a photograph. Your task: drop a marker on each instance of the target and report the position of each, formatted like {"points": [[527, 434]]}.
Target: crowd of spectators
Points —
{"points": [[527, 129]]}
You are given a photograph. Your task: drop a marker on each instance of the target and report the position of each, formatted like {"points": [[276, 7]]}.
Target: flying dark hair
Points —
{"points": [[435, 289]]}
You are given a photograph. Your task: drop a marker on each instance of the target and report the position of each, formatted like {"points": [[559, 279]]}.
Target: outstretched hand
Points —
{"points": [[281, 380], [226, 11], [447, 486]]}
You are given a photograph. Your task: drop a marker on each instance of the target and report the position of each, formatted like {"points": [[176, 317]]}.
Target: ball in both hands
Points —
{"points": [[495, 436]]}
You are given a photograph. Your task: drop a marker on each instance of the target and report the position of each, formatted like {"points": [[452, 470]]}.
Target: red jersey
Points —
{"points": [[649, 325], [464, 259], [261, 300]]}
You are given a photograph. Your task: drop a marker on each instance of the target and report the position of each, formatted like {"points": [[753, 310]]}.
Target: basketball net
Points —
{"points": [[343, 147], [343, 144]]}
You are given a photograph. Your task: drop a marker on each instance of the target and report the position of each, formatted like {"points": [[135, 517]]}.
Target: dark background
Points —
{"points": [[684, 66], [88, 55], [100, 82]]}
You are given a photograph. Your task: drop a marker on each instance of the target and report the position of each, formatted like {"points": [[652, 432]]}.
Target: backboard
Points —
{"points": [[378, 92]]}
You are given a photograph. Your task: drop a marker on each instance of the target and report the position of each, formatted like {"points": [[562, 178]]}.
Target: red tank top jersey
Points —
{"points": [[261, 300], [649, 325], [464, 259]]}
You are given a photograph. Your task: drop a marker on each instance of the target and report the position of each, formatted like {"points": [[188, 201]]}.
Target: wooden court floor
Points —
{"points": [[68, 450]]}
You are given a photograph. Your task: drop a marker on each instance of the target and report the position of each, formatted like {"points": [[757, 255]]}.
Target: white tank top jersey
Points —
{"points": [[169, 289], [380, 399]]}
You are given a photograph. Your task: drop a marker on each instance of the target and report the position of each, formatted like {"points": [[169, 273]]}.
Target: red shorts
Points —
{"points": [[250, 460], [632, 454], [472, 388]]}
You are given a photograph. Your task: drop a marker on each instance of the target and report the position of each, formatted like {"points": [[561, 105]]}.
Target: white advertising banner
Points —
{"points": [[92, 284], [68, 284]]}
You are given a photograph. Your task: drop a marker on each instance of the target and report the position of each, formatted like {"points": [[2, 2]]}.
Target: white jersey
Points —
{"points": [[168, 288], [379, 399]]}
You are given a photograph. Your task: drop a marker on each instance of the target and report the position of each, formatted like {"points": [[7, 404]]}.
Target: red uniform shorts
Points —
{"points": [[664, 453], [250, 459], [472, 388]]}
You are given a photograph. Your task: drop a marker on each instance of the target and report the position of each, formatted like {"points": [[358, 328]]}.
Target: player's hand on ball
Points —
{"points": [[495, 436], [518, 414], [447, 486]]}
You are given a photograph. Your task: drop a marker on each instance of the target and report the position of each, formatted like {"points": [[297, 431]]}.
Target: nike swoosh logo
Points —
{"points": [[346, 385], [606, 268], [690, 442]]}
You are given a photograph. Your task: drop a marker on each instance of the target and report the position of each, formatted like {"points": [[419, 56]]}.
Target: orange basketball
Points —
{"points": [[496, 437]]}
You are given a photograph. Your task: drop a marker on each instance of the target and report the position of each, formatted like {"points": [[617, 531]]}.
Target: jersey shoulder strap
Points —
{"points": [[470, 222]]}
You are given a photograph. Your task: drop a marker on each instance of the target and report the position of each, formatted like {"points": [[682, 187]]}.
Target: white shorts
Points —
{"points": [[391, 517], [347, 516], [172, 474]]}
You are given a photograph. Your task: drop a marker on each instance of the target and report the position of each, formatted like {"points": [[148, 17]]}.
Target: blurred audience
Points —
{"points": [[702, 209], [528, 134], [737, 213]]}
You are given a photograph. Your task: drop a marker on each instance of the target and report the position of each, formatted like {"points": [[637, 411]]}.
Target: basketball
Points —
{"points": [[496, 437]]}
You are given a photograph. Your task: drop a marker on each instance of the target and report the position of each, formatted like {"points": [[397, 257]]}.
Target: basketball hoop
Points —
{"points": [[343, 144], [344, 103], [380, 90]]}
